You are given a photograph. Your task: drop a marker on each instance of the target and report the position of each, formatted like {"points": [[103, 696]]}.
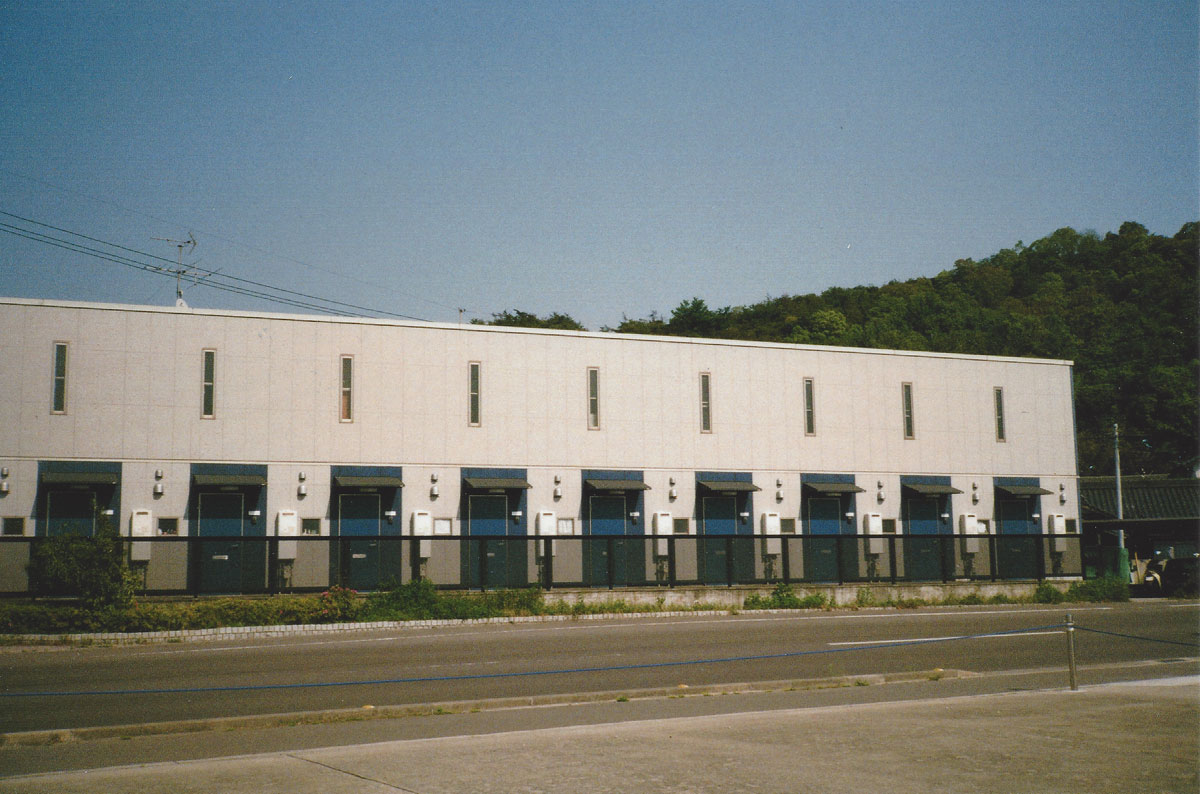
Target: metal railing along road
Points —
{"points": [[268, 564]]}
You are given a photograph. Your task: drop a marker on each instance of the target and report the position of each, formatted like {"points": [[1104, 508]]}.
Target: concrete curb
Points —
{"points": [[63, 735]]}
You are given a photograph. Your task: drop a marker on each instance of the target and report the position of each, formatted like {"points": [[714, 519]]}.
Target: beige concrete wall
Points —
{"points": [[134, 395]]}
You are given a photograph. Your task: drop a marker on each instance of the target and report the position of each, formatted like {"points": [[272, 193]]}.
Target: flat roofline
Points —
{"points": [[610, 336]]}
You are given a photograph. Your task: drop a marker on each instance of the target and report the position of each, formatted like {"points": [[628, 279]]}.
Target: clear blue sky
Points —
{"points": [[597, 159]]}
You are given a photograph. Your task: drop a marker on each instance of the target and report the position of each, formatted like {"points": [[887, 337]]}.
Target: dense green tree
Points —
{"points": [[515, 318]]}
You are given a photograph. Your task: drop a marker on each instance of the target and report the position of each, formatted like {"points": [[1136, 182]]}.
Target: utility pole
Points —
{"points": [[1120, 506]]}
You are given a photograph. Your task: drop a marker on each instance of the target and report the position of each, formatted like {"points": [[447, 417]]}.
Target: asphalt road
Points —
{"points": [[834, 643]]}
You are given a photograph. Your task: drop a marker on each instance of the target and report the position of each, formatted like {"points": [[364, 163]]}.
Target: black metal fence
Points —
{"points": [[196, 566]]}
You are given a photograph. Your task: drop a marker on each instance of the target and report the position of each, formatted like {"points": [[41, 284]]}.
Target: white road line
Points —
{"points": [[1184, 605], [952, 637], [440, 632]]}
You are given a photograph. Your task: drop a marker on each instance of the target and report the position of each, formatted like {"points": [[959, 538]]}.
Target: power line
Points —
{"points": [[212, 277], [231, 241]]}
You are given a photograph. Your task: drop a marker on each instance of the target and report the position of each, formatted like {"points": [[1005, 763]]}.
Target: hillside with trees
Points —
{"points": [[1123, 307]]}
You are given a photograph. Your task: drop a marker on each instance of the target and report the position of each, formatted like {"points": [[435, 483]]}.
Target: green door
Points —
{"points": [[821, 545], [719, 523], [359, 521], [922, 546], [604, 556], [487, 519], [219, 517], [1016, 542]]}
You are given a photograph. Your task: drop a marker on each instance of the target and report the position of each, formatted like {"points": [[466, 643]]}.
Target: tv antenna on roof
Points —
{"points": [[180, 270]]}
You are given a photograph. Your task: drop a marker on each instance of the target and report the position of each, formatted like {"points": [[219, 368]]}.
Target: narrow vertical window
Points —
{"points": [[810, 408], [705, 402], [999, 413], [347, 406], [907, 391], [593, 398], [210, 384], [473, 394], [58, 403]]}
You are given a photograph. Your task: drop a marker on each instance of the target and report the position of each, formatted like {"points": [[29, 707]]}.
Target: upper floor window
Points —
{"points": [[906, 390], [473, 394], [593, 377], [347, 401], [810, 408], [705, 402], [58, 403], [999, 393], [209, 378]]}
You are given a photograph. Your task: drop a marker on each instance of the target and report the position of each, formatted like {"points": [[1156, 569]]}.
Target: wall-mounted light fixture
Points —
{"points": [[634, 516], [4, 487], [557, 491], [879, 495], [671, 494], [1062, 494], [779, 496], [850, 517], [670, 481], [945, 518], [557, 479], [390, 515], [302, 476], [433, 491], [974, 493], [254, 514], [745, 517], [302, 490], [158, 489], [433, 477], [778, 482], [1037, 516], [158, 474], [516, 516], [4, 472]]}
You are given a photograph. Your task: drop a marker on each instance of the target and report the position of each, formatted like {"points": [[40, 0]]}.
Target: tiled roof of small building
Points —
{"points": [[1142, 498]]}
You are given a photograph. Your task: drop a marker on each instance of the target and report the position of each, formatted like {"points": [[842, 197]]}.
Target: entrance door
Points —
{"points": [[487, 516], [718, 522], [219, 515], [606, 520], [821, 551], [1016, 540], [71, 513], [359, 520], [922, 561]]}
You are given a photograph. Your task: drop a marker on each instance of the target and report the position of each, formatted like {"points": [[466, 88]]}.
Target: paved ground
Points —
{"points": [[1125, 737]]}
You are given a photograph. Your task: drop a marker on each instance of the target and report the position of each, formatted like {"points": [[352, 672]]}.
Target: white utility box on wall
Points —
{"points": [[287, 525], [422, 527], [769, 525], [664, 527], [968, 528], [546, 525], [141, 525], [873, 526]]}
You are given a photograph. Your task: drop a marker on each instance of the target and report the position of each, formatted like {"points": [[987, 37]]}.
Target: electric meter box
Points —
{"points": [[1056, 527], [287, 525], [141, 525], [664, 527], [422, 527], [873, 526], [545, 523], [968, 528], [769, 525]]}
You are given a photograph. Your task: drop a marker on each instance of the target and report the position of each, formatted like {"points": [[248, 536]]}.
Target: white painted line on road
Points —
{"points": [[440, 632], [952, 637], [1183, 605]]}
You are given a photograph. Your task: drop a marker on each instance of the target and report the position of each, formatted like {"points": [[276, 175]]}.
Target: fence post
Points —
{"points": [[671, 561], [1071, 652]]}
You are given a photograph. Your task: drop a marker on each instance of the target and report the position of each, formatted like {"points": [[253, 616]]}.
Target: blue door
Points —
{"points": [[219, 516], [1017, 544], [718, 522], [606, 519], [922, 558], [821, 552], [71, 513], [487, 517], [359, 520]]}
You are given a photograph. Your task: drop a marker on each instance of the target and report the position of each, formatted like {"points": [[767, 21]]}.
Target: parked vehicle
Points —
{"points": [[1181, 576]]}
